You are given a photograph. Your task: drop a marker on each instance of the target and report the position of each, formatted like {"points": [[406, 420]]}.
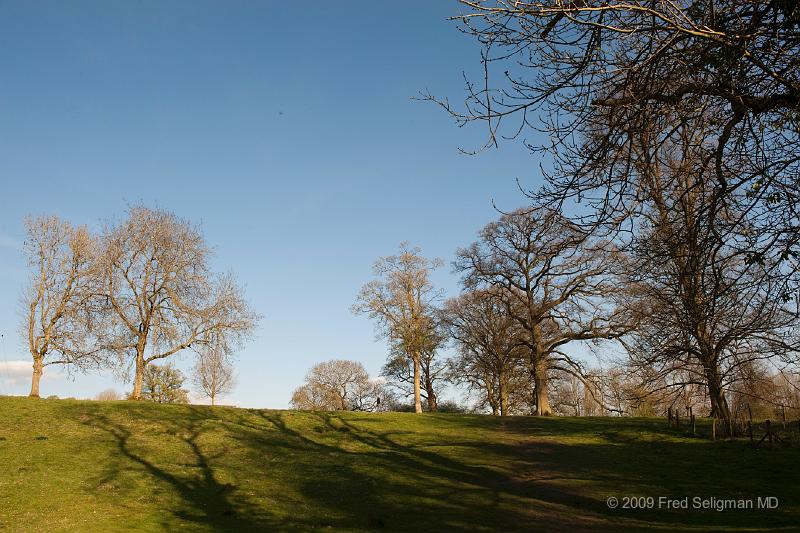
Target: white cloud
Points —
{"points": [[15, 372]]}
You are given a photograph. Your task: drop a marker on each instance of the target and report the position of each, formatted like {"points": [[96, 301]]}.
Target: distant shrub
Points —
{"points": [[452, 407], [401, 407], [443, 407], [108, 395], [52, 397]]}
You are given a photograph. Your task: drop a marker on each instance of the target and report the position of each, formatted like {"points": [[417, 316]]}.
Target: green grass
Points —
{"points": [[122, 466]]}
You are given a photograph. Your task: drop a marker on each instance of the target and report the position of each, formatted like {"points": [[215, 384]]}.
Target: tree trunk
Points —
{"points": [[139, 378], [38, 370], [432, 405], [431, 395], [503, 394], [213, 398], [540, 388], [490, 395], [542, 402], [417, 397], [719, 404]]}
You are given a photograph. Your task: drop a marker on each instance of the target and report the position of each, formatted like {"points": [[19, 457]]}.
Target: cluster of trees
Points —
{"points": [[672, 170], [343, 385], [139, 292], [694, 332], [532, 284]]}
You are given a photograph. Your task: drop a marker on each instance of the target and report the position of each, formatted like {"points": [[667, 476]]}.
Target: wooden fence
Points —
{"points": [[758, 433]]}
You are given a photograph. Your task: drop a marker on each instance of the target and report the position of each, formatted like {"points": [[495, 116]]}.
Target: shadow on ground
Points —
{"points": [[252, 470]]}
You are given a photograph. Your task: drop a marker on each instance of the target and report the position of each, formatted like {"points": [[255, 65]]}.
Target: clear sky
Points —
{"points": [[286, 128]]}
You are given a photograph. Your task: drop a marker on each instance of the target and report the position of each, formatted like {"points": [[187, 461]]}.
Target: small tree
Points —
{"points": [[402, 299], [164, 384], [213, 373]]}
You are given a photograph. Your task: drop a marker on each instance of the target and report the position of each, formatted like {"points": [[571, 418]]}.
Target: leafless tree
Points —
{"points": [[786, 394], [56, 303], [706, 309], [213, 373], [108, 395], [402, 302], [488, 341], [399, 368], [309, 397], [595, 76], [552, 281], [568, 396], [161, 295], [338, 385]]}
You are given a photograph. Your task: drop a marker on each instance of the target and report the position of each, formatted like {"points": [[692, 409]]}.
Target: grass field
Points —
{"points": [[123, 466]]}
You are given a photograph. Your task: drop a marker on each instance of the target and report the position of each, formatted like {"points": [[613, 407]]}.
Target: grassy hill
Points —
{"points": [[122, 466]]}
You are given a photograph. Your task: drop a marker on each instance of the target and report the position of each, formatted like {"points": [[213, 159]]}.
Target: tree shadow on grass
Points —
{"points": [[548, 486], [370, 480], [673, 469], [206, 500], [344, 472]]}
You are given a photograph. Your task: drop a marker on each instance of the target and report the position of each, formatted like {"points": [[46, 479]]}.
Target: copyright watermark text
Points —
{"points": [[704, 503]]}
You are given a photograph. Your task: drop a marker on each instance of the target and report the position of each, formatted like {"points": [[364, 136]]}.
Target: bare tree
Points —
{"points": [[596, 75], [56, 302], [108, 395], [568, 396], [552, 281], [399, 368], [490, 350], [402, 301], [161, 295], [338, 385], [706, 310], [705, 320], [311, 397], [213, 373]]}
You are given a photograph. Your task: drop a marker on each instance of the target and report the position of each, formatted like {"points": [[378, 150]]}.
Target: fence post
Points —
{"points": [[750, 430], [714, 428], [677, 419], [669, 417], [691, 418], [769, 432]]}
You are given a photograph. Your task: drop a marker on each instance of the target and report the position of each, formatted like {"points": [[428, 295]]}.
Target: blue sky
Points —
{"points": [[287, 129]]}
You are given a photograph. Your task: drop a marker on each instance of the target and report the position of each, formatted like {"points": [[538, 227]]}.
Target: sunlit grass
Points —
{"points": [[122, 466]]}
